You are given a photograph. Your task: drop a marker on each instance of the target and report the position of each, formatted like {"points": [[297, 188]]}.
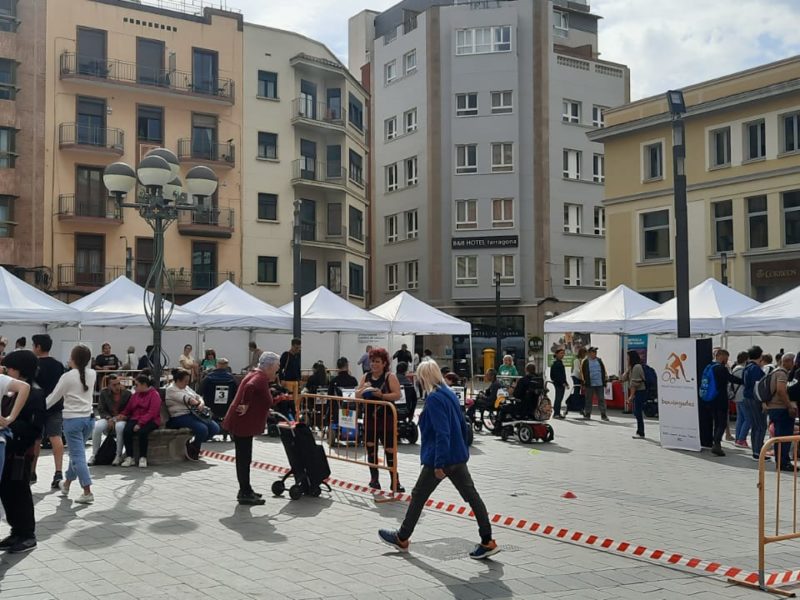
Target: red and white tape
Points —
{"points": [[671, 559]]}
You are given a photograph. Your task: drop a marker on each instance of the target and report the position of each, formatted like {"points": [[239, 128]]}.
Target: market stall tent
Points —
{"points": [[779, 315], [609, 313], [409, 315], [23, 304], [229, 307], [321, 310]]}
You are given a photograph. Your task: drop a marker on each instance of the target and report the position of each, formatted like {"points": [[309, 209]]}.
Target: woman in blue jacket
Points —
{"points": [[443, 453]]}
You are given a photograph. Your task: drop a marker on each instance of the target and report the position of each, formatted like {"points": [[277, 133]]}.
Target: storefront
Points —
{"points": [[772, 278]]}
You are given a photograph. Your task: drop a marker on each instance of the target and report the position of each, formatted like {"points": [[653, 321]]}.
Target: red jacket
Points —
{"points": [[254, 393], [144, 407]]}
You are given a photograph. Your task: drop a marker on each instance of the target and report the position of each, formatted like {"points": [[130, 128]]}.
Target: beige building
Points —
{"points": [[743, 180], [305, 143]]}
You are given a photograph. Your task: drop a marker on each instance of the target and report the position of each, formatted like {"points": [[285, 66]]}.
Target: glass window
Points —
{"points": [[392, 277], [723, 225], [573, 216], [391, 178], [390, 71], [755, 140], [466, 270], [335, 218], [334, 154], [7, 147], [791, 132], [356, 230], [504, 266], [150, 62], [267, 269], [573, 271], [502, 39], [91, 196], [205, 79], [599, 220], [466, 214], [392, 229], [720, 144], [598, 116], [560, 23], [655, 235], [412, 174], [356, 167], [356, 116], [412, 224], [791, 217], [8, 15], [410, 62], [91, 51], [654, 161], [267, 207], [150, 123], [204, 136], [356, 280], [571, 168], [267, 145], [412, 274], [7, 216], [502, 212], [467, 104], [8, 77], [90, 260], [502, 102], [598, 168], [571, 111], [410, 120], [466, 158], [600, 272], [267, 84], [90, 121], [502, 157], [757, 224], [483, 40], [390, 128], [335, 277]]}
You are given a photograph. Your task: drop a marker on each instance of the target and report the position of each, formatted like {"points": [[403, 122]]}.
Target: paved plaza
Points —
{"points": [[176, 531]]}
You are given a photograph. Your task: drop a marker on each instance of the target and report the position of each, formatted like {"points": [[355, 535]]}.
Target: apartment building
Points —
{"points": [[483, 174], [123, 77], [742, 166], [305, 149]]}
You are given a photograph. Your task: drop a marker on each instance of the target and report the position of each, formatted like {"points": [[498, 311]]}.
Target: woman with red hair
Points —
{"points": [[379, 424]]}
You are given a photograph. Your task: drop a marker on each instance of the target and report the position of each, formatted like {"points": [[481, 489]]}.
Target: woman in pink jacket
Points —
{"points": [[142, 415]]}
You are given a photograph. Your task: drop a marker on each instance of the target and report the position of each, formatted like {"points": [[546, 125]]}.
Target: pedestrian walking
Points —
{"points": [[713, 405], [637, 390], [594, 377], [758, 419], [48, 373], [558, 375], [742, 427], [782, 411]]}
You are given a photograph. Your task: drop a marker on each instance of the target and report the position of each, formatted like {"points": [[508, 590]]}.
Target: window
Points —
{"points": [[335, 277], [205, 79], [757, 222], [560, 23], [333, 109], [502, 103], [412, 224], [598, 116], [791, 132], [573, 271], [483, 40], [572, 164], [599, 220], [91, 52], [755, 140], [653, 161], [502, 157], [412, 174], [356, 280], [356, 167], [150, 124], [8, 15], [466, 158], [464, 41], [267, 269], [504, 266], [334, 219], [410, 120], [571, 112], [466, 214], [267, 145], [502, 212], [392, 277], [145, 256], [356, 115], [356, 218], [150, 61], [390, 71], [267, 84], [573, 217], [7, 146], [390, 128], [392, 229], [267, 207], [502, 39], [91, 121], [390, 36], [791, 217], [90, 260], [7, 216], [655, 235], [466, 270], [412, 274], [91, 196], [334, 155], [723, 225], [598, 168], [600, 272], [410, 62], [720, 146], [467, 104], [391, 178], [204, 136], [8, 77]]}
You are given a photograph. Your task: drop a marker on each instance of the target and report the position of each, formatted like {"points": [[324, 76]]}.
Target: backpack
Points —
{"points": [[708, 383], [650, 381], [763, 389]]}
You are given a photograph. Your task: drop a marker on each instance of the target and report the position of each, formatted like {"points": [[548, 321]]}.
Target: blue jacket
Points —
{"points": [[443, 428], [751, 374]]}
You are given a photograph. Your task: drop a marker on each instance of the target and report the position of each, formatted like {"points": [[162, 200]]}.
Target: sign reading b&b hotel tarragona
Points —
{"points": [[501, 241]]}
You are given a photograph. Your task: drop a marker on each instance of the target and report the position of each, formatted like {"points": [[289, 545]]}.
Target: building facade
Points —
{"points": [[483, 174], [742, 166], [306, 149]]}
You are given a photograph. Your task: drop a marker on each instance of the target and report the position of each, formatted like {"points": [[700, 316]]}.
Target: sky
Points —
{"points": [[666, 43]]}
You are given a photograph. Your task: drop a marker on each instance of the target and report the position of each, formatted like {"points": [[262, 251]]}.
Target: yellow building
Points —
{"points": [[743, 182]]}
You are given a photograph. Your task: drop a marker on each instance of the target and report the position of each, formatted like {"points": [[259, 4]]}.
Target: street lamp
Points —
{"points": [[158, 202], [677, 107], [296, 271], [497, 358]]}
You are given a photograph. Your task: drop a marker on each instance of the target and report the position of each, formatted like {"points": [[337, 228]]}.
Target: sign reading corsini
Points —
{"points": [[499, 241], [775, 271]]}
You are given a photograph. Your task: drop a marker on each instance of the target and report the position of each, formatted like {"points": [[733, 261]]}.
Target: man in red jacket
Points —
{"points": [[247, 417]]}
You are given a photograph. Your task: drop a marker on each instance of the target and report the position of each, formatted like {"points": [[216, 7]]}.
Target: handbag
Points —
{"points": [[204, 414], [106, 452]]}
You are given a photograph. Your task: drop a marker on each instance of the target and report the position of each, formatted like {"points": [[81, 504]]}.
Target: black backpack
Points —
{"points": [[29, 424]]}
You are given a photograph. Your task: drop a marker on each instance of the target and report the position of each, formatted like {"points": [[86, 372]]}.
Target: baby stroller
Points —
{"points": [[527, 418], [308, 461], [407, 429]]}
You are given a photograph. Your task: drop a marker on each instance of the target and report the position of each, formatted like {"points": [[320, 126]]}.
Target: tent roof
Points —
{"points": [[322, 310], [710, 304], [607, 314], [411, 315], [120, 304], [24, 304], [778, 315], [228, 306]]}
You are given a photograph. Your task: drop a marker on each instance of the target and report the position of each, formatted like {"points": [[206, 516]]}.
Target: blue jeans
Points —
{"points": [[202, 431], [784, 425], [758, 424], [639, 400], [78, 431], [742, 421]]}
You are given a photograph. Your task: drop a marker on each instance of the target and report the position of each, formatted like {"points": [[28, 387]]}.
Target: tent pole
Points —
{"points": [[471, 365]]}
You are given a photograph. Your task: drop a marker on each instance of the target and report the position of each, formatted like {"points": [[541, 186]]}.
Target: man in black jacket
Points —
{"points": [[714, 413], [558, 376]]}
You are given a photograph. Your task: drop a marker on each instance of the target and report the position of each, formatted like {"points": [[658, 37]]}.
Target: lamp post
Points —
{"points": [[296, 272], [677, 107], [159, 201], [497, 357]]}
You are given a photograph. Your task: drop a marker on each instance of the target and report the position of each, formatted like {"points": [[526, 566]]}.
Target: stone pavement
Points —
{"points": [[176, 531]]}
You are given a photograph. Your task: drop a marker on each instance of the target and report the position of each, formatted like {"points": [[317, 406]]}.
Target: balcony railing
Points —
{"points": [[131, 73], [70, 276], [70, 206], [187, 281], [318, 111], [195, 149], [210, 222], [103, 139], [309, 169], [332, 234]]}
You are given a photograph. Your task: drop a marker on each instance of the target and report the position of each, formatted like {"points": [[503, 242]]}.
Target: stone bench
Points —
{"points": [[165, 445]]}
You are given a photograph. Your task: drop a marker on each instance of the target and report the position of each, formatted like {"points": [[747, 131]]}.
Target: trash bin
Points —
{"points": [[488, 359]]}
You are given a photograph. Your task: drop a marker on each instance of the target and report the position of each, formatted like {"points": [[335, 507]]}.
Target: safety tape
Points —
{"points": [[579, 538]]}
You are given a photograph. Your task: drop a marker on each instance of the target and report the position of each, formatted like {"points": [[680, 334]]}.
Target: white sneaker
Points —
{"points": [[128, 462], [90, 462], [64, 488], [116, 462], [85, 499], [142, 463]]}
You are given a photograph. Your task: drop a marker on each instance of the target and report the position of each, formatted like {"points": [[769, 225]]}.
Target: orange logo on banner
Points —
{"points": [[674, 370]]}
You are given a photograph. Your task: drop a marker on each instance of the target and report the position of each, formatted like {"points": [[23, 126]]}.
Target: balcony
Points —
{"points": [[308, 171], [203, 152], [198, 282], [86, 279], [327, 236], [94, 139], [110, 71], [318, 114], [86, 210], [210, 222]]}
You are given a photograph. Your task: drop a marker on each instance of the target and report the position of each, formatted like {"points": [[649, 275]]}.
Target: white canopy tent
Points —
{"points": [[321, 310], [23, 304], [711, 304], [229, 307], [779, 315], [609, 313], [410, 315]]}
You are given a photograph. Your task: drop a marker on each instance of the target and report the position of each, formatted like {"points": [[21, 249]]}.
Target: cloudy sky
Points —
{"points": [[666, 43]]}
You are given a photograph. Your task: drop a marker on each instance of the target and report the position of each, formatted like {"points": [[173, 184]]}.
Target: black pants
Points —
{"points": [[143, 434], [426, 484], [244, 456], [379, 429], [713, 418], [15, 494], [560, 389]]}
